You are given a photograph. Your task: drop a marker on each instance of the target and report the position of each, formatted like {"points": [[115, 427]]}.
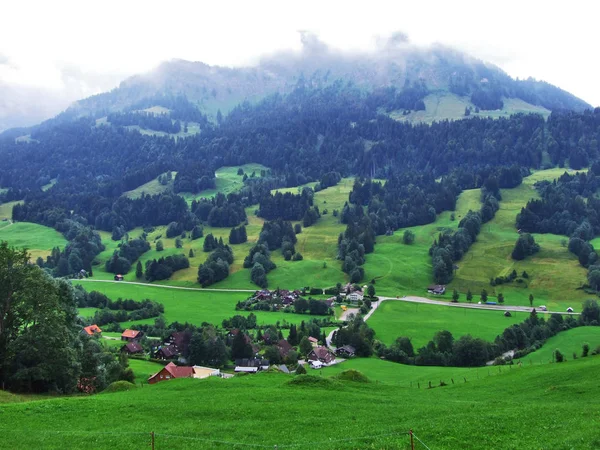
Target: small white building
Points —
{"points": [[316, 364]]}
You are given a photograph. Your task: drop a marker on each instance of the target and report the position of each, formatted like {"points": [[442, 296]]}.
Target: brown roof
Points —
{"points": [[132, 347], [284, 347], [312, 339], [322, 354], [178, 338], [132, 334], [179, 371], [92, 329], [168, 351]]}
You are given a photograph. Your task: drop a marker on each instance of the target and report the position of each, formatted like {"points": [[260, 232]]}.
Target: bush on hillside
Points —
{"points": [[119, 386]]}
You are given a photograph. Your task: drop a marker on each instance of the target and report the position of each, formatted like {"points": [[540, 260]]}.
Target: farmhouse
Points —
{"points": [[284, 347], [346, 351], [355, 296], [167, 352], [314, 341], [436, 289], [92, 330], [131, 335], [180, 340], [322, 354], [132, 348], [251, 365], [119, 277], [171, 371]]}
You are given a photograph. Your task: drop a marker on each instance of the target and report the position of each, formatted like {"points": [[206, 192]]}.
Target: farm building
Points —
{"points": [[92, 330], [118, 277], [132, 348], [346, 351], [171, 371], [314, 341], [205, 372], [322, 354], [436, 289], [167, 352], [251, 365], [284, 347], [355, 296], [131, 335]]}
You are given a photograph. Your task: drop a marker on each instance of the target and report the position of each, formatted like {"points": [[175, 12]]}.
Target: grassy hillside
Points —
{"points": [[152, 187], [420, 322], [444, 105], [6, 209], [37, 238], [191, 306], [568, 342], [555, 411]]}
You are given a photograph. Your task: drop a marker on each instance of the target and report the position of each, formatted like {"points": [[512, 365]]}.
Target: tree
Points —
{"points": [[305, 346], [455, 296], [139, 272], [371, 291], [258, 275], [191, 253], [297, 228], [531, 300], [34, 311], [500, 298], [559, 357], [273, 355], [293, 336], [590, 314], [469, 295], [240, 348], [178, 243], [300, 370], [408, 237], [484, 296], [585, 350], [159, 246]]}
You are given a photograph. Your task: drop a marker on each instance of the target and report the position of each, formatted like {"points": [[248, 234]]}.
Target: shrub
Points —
{"points": [[352, 375], [119, 386], [559, 357], [585, 350]]}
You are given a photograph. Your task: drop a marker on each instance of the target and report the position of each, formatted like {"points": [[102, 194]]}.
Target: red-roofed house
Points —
{"points": [[92, 329], [131, 335], [171, 371], [132, 348]]}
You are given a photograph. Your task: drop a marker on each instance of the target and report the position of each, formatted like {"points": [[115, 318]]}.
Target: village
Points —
{"points": [[268, 350]]}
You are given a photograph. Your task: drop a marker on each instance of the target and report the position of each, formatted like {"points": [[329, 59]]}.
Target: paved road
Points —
{"points": [[428, 301], [165, 286]]}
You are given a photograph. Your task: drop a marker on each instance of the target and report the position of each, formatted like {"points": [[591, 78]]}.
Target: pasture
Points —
{"points": [[420, 322], [194, 306], [38, 239], [568, 342], [152, 187], [480, 413]]}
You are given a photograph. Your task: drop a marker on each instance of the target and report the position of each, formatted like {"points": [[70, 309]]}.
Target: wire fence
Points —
{"points": [[162, 441]]}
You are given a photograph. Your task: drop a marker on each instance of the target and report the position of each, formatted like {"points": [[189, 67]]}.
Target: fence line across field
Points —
{"points": [[154, 438]]}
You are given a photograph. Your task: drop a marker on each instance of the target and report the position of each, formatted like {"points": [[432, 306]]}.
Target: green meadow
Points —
{"points": [[420, 322], [555, 410], [568, 342], [194, 306], [6, 209], [38, 239]]}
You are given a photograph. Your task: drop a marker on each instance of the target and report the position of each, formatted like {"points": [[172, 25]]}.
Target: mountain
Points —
{"points": [[438, 82]]}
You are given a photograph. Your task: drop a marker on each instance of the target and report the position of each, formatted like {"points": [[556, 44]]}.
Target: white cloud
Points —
{"points": [[549, 40]]}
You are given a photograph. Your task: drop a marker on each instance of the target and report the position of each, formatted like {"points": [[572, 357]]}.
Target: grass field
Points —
{"points": [[568, 342], [152, 187], [190, 306], [420, 322], [143, 369], [38, 239], [6, 209], [444, 105], [528, 407]]}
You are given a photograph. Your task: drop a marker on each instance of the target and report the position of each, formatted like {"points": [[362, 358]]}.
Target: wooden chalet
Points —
{"points": [[322, 354], [131, 348], [171, 371], [131, 335], [167, 352], [92, 330], [347, 351], [436, 289]]}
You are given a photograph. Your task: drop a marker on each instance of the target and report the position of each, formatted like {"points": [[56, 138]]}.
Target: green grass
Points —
{"points": [[190, 306], [143, 369], [227, 181], [517, 408], [420, 322], [152, 187], [49, 185], [444, 105], [38, 239], [568, 342], [6, 209], [87, 312]]}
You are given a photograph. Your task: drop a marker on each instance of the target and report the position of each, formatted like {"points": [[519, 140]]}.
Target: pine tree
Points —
{"points": [[293, 336], [469, 295], [139, 272]]}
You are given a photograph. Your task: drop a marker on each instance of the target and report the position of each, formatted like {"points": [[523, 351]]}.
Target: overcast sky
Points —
{"points": [[84, 46]]}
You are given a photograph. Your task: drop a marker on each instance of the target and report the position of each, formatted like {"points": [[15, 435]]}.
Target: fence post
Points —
{"points": [[152, 439], [412, 442]]}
